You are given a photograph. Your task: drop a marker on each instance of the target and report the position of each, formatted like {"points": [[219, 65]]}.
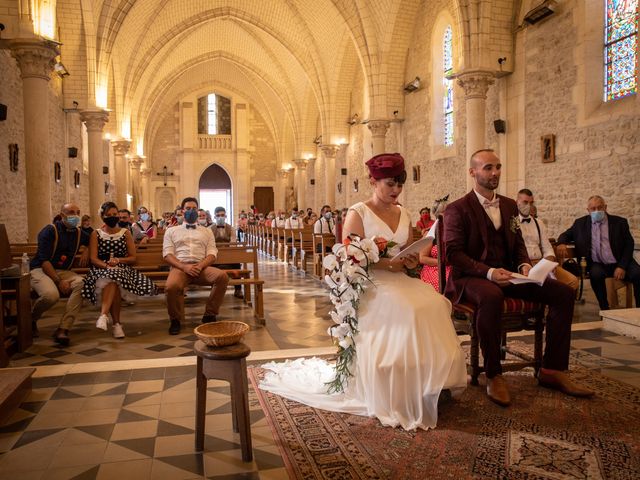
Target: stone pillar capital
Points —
{"points": [[121, 147], [476, 83], [36, 57], [378, 128], [330, 151], [135, 162], [283, 173], [301, 163], [94, 119], [145, 171]]}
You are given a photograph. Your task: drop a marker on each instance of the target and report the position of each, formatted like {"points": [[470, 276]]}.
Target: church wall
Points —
{"points": [[263, 149], [442, 170], [596, 154], [13, 197]]}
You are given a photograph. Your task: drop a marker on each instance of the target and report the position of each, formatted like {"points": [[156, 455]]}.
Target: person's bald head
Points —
{"points": [[70, 209]]}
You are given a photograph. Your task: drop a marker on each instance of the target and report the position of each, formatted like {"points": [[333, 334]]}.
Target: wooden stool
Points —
{"points": [[229, 364], [612, 285]]}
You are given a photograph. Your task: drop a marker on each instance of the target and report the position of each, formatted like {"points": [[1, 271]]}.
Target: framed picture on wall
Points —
{"points": [[548, 148], [416, 174]]}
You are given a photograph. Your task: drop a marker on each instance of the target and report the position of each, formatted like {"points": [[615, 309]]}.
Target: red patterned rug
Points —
{"points": [[543, 435]]}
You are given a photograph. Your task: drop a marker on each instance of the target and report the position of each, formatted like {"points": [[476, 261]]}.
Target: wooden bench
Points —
{"points": [[296, 245], [326, 242], [307, 248]]}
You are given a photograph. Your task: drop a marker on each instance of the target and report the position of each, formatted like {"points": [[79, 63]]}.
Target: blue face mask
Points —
{"points": [[328, 215], [597, 216], [72, 221], [190, 216], [144, 217]]}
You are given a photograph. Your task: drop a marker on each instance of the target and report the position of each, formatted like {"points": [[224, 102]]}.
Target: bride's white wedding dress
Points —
{"points": [[407, 350]]}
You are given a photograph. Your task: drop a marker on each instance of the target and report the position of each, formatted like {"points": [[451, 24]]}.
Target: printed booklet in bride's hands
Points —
{"points": [[418, 245], [537, 274]]}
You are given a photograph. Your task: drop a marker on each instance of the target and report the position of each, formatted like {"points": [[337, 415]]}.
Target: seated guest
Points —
{"points": [[251, 219], [190, 249], [223, 234], [111, 276], [425, 221], [484, 247], [294, 221], [429, 254], [261, 219], [325, 224], [123, 219], [86, 224], [280, 220], [145, 228], [269, 220], [606, 242], [535, 238], [58, 244], [243, 222], [202, 218]]}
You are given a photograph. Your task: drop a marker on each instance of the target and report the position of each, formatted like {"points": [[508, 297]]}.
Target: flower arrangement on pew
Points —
{"points": [[349, 273]]}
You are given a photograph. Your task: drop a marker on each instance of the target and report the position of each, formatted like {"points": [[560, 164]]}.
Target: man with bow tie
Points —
{"points": [[484, 246], [190, 249], [535, 238], [607, 244]]}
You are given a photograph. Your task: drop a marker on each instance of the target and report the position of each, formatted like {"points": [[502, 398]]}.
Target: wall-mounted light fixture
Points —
{"points": [[318, 140], [542, 11], [354, 119], [413, 85], [61, 70]]}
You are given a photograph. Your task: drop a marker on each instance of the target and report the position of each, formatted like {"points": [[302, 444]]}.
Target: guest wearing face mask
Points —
{"points": [[325, 224], [606, 242], [536, 240], [51, 278], [145, 228], [269, 220], [261, 219], [111, 276], [243, 222], [223, 233], [191, 250], [294, 221], [203, 218], [86, 224], [124, 216], [280, 220], [425, 221], [251, 219]]}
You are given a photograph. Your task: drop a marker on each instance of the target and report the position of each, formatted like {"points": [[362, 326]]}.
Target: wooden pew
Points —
{"points": [[296, 246], [305, 242], [326, 241]]}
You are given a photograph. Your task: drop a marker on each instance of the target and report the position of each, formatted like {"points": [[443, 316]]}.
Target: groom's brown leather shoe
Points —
{"points": [[497, 391], [561, 381]]}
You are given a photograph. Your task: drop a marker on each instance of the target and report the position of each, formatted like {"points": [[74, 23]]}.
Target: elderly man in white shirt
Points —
{"points": [[190, 249], [324, 225], [536, 239]]}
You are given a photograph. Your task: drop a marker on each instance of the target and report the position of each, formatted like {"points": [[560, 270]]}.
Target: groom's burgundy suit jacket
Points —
{"points": [[467, 245]]}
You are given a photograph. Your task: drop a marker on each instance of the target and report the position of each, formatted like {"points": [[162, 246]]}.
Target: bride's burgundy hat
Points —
{"points": [[386, 165]]}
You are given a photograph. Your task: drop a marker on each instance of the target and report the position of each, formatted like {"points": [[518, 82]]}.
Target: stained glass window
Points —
{"points": [[447, 55], [620, 49], [212, 115]]}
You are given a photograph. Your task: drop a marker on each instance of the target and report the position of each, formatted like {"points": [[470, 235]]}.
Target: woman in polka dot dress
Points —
{"points": [[111, 276]]}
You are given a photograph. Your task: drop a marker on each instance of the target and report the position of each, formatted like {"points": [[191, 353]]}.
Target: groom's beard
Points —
{"points": [[490, 183]]}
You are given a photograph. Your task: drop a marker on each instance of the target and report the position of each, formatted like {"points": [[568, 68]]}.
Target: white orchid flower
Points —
{"points": [[346, 342], [330, 262]]}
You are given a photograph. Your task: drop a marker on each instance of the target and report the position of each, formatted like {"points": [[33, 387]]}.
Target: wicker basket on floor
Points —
{"points": [[221, 334]]}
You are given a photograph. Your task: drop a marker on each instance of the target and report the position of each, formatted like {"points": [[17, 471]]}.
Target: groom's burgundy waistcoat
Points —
{"points": [[473, 245]]}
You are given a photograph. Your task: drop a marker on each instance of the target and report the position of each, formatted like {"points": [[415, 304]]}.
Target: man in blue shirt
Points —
{"points": [[58, 244]]}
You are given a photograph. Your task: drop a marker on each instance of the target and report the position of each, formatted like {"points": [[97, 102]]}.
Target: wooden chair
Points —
{"points": [[613, 286], [517, 315]]}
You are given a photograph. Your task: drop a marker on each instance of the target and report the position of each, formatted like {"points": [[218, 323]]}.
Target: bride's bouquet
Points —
{"points": [[348, 275]]}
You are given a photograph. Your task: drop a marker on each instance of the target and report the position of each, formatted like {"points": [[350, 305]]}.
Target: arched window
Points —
{"points": [[447, 58], [620, 49], [214, 115]]}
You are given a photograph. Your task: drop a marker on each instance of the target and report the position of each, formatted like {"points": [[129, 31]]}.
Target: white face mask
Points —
{"points": [[525, 209], [202, 221]]}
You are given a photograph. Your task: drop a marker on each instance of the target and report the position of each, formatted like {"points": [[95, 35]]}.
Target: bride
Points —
{"points": [[407, 348]]}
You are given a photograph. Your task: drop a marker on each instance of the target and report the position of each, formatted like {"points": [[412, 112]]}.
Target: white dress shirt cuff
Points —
{"points": [[490, 273]]}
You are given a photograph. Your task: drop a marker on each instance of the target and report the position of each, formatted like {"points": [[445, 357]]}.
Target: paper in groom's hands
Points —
{"points": [[537, 274], [418, 245]]}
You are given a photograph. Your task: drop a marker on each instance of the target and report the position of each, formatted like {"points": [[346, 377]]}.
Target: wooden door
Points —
{"points": [[263, 199]]}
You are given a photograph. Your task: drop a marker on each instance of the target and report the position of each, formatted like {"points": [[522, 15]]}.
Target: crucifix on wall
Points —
{"points": [[165, 173]]}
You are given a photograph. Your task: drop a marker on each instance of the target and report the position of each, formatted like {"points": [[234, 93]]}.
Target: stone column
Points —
{"points": [[378, 130], [145, 173], [318, 187], [301, 167], [121, 171], [36, 59], [95, 121], [475, 84], [134, 163], [329, 152], [281, 201]]}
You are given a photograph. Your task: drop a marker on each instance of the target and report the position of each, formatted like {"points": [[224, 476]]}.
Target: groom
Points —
{"points": [[484, 246]]}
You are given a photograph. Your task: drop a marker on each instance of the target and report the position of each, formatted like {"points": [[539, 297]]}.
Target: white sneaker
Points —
{"points": [[103, 322], [117, 331]]}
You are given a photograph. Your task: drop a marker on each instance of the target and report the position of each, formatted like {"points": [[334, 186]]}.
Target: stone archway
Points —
{"points": [[215, 190]]}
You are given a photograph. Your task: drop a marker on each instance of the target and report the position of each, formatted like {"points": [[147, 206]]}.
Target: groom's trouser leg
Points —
{"points": [[561, 299], [487, 298]]}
